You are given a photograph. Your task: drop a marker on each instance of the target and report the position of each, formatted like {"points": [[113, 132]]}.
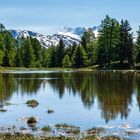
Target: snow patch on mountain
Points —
{"points": [[67, 34]]}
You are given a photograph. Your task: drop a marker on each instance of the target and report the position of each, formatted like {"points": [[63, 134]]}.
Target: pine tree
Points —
{"points": [[18, 60], [9, 53], [79, 58], [126, 43], [108, 40], [37, 51], [1, 49], [28, 54], [138, 47], [87, 37], [66, 62], [60, 53], [52, 59]]}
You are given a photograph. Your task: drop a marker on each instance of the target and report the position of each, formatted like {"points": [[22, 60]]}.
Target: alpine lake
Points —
{"points": [[104, 100]]}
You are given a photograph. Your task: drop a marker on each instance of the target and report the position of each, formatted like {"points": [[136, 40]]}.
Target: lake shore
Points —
{"points": [[87, 69], [20, 136]]}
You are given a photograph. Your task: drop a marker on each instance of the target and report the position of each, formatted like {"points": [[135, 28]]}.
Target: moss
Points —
{"points": [[46, 129], [32, 103]]}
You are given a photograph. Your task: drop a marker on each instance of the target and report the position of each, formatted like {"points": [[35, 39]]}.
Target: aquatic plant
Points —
{"points": [[32, 103], [46, 129], [31, 122], [73, 131], [95, 131], [65, 126]]}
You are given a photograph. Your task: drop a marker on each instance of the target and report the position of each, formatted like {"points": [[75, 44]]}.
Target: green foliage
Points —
{"points": [[9, 53], [18, 59], [60, 53], [87, 37], [108, 41], [138, 47], [126, 43], [52, 57], [79, 58], [1, 49], [66, 62], [28, 54], [37, 48], [113, 48]]}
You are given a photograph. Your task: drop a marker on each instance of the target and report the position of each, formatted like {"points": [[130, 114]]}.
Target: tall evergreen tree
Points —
{"points": [[28, 54], [1, 49], [87, 37], [37, 51], [9, 53], [79, 58], [138, 47], [53, 57], [66, 62], [60, 53], [108, 41], [18, 59], [126, 43]]}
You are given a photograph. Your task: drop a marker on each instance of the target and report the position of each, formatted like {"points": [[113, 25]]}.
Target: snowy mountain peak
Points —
{"points": [[67, 34]]}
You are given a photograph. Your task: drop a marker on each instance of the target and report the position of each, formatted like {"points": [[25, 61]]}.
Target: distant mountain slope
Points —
{"points": [[67, 34]]}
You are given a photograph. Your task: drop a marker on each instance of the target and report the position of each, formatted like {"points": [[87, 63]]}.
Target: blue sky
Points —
{"points": [[49, 16]]}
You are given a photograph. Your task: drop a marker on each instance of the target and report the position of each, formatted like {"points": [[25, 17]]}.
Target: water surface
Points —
{"points": [[85, 99]]}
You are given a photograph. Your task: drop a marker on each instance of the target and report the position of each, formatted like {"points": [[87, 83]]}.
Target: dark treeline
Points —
{"points": [[113, 48]]}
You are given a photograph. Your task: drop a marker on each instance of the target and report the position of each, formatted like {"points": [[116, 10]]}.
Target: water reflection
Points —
{"points": [[113, 90]]}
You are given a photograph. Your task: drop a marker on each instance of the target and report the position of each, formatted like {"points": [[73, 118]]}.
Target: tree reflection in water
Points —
{"points": [[113, 90]]}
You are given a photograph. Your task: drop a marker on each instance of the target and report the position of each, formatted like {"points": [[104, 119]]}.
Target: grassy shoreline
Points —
{"points": [[19, 136], [86, 69]]}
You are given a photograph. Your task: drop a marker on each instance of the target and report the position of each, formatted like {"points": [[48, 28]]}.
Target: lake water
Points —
{"points": [[85, 99]]}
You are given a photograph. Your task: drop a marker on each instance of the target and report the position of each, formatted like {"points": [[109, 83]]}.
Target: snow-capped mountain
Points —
{"points": [[67, 34]]}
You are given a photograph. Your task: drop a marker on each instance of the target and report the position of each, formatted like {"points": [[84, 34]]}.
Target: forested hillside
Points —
{"points": [[113, 48]]}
